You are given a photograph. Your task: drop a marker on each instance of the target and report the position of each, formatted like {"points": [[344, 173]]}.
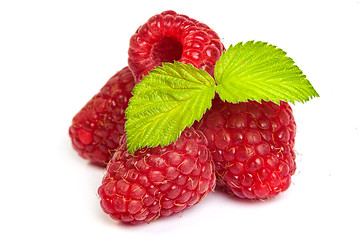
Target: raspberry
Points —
{"points": [[169, 37], [157, 181], [252, 146], [98, 126]]}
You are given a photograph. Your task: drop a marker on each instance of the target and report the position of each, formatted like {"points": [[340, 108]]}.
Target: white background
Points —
{"points": [[55, 55]]}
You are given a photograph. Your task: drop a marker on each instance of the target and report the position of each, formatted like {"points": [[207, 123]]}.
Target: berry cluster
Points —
{"points": [[246, 148]]}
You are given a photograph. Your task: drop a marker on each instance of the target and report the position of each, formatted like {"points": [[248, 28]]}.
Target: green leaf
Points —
{"points": [[256, 71], [170, 98]]}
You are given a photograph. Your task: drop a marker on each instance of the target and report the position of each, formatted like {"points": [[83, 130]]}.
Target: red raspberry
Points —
{"points": [[157, 181], [98, 126], [252, 146], [170, 36]]}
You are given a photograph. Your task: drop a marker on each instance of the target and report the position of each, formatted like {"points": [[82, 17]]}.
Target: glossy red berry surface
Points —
{"points": [[157, 181], [96, 129], [252, 146], [170, 36]]}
